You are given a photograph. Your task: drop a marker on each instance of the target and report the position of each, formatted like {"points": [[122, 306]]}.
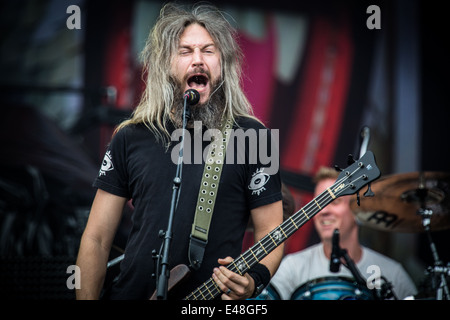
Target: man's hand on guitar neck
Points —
{"points": [[233, 285]]}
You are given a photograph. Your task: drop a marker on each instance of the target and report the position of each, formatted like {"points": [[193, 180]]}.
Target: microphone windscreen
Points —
{"points": [[192, 96]]}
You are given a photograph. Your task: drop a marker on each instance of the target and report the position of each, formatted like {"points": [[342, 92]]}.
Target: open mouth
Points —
{"points": [[197, 81]]}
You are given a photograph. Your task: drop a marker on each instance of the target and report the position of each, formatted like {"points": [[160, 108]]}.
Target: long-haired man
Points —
{"points": [[187, 49]]}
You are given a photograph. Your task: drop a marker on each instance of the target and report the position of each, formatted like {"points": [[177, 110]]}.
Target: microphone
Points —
{"points": [[335, 261], [191, 97], [364, 137]]}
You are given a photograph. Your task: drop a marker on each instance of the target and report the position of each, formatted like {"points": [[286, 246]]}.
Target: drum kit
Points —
{"points": [[411, 203], [324, 288]]}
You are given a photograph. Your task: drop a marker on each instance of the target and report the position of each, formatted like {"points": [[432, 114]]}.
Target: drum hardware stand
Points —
{"points": [[407, 198], [385, 292], [442, 292], [421, 195]]}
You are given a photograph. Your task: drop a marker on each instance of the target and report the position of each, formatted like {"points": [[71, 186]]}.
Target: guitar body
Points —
{"points": [[177, 275]]}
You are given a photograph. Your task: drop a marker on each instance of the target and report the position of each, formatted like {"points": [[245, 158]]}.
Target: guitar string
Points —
{"points": [[264, 243], [320, 202], [317, 202], [211, 285]]}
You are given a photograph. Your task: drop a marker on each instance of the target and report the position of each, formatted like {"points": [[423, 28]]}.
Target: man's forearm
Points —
{"points": [[92, 260]]}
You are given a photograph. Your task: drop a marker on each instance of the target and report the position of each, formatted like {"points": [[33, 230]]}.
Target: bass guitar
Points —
{"points": [[349, 181]]}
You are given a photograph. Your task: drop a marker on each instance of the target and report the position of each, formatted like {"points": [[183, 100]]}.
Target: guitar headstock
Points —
{"points": [[356, 176]]}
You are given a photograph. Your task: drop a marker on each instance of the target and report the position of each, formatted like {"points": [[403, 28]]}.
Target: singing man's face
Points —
{"points": [[196, 64]]}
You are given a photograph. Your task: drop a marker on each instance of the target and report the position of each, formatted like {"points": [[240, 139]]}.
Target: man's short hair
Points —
{"points": [[325, 173]]}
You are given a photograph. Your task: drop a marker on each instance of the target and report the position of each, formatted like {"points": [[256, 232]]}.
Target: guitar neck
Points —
{"points": [[209, 290], [349, 181]]}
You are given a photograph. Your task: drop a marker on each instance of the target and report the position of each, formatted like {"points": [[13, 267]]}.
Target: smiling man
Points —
{"points": [[186, 49], [303, 272]]}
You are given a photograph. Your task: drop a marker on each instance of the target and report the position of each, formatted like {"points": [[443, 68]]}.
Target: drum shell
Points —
{"points": [[269, 293], [332, 288]]}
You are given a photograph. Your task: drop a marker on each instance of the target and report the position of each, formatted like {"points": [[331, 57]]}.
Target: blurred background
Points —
{"points": [[315, 70]]}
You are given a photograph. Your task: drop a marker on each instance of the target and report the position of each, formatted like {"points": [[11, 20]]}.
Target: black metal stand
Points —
{"points": [[163, 272], [442, 292], [385, 290]]}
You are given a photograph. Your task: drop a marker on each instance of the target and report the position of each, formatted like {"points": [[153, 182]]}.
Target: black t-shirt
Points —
{"points": [[139, 167]]}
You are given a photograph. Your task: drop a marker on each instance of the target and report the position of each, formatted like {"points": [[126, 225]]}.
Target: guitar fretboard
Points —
{"points": [[209, 290], [349, 181]]}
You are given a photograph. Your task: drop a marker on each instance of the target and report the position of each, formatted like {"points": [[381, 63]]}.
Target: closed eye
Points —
{"points": [[209, 49], [184, 52]]}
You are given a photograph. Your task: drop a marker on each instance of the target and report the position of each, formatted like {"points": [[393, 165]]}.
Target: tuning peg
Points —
{"points": [[369, 192], [337, 168], [350, 159]]}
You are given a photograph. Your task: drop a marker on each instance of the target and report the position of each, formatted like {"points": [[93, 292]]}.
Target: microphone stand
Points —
{"points": [[360, 281], [342, 253], [163, 258]]}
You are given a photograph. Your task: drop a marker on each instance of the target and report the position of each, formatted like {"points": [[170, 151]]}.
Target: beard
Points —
{"points": [[209, 113]]}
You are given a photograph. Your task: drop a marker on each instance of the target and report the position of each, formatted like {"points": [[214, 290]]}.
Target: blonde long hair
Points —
{"points": [[157, 100]]}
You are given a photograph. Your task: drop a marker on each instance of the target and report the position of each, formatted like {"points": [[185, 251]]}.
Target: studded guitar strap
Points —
{"points": [[207, 194]]}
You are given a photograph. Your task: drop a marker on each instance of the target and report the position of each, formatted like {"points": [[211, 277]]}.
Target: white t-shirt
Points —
{"points": [[311, 263]]}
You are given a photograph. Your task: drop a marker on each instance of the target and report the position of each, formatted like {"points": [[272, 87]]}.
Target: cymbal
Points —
{"points": [[399, 199]]}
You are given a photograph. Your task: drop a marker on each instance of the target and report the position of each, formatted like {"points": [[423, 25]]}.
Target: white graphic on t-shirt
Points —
{"points": [[259, 179], [107, 164]]}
